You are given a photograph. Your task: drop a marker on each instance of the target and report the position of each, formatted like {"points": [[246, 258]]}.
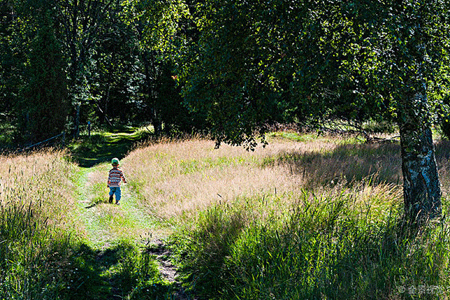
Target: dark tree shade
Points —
{"points": [[44, 104]]}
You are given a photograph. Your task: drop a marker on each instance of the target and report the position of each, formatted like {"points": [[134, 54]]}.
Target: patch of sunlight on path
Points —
{"points": [[107, 224]]}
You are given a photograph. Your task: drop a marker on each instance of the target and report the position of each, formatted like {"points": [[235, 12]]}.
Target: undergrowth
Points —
{"points": [[329, 246]]}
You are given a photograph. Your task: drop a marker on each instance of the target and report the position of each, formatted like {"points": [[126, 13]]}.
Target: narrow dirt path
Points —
{"points": [[107, 225]]}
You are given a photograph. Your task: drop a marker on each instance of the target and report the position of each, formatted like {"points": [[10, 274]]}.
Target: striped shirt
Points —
{"points": [[115, 177]]}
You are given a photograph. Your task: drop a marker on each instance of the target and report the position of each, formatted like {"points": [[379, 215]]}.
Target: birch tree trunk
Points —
{"points": [[421, 186]]}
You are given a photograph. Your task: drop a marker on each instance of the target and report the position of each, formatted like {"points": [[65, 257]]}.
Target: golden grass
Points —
{"points": [[176, 180], [334, 219], [41, 181]]}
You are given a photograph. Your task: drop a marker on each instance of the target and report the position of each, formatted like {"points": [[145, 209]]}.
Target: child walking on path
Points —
{"points": [[114, 179]]}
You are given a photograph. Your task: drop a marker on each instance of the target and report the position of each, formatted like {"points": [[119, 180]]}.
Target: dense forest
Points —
{"points": [[66, 63], [231, 69]]}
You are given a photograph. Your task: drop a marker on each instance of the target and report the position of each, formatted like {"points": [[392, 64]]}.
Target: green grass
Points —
{"points": [[325, 247], [102, 146], [122, 271], [125, 222], [342, 236], [113, 258]]}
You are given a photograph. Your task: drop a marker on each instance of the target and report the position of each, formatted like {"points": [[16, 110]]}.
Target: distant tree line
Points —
{"points": [[232, 68]]}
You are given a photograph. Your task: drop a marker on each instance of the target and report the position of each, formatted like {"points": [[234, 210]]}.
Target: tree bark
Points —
{"points": [[421, 186]]}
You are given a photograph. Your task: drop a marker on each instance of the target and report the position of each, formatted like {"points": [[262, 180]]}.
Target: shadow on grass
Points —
{"points": [[120, 272], [355, 163], [346, 164], [101, 147]]}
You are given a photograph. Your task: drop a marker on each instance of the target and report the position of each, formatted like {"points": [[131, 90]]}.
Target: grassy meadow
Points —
{"points": [[306, 217], [48, 246]]}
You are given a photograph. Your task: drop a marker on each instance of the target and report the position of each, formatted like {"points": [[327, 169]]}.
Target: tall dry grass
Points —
{"points": [[176, 180], [310, 218], [36, 203], [41, 180]]}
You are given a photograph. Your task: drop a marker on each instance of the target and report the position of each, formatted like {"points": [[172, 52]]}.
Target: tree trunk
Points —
{"points": [[421, 186]]}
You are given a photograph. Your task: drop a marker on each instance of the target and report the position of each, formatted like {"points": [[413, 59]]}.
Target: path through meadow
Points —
{"points": [[107, 227]]}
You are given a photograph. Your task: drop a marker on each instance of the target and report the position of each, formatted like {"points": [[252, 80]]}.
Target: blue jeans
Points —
{"points": [[115, 190]]}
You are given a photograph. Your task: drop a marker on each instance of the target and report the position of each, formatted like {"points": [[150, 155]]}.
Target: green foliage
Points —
{"points": [[113, 61], [231, 72], [240, 65], [44, 105], [255, 62], [6, 64], [35, 89], [443, 117], [157, 25], [158, 21], [115, 79], [445, 127]]}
